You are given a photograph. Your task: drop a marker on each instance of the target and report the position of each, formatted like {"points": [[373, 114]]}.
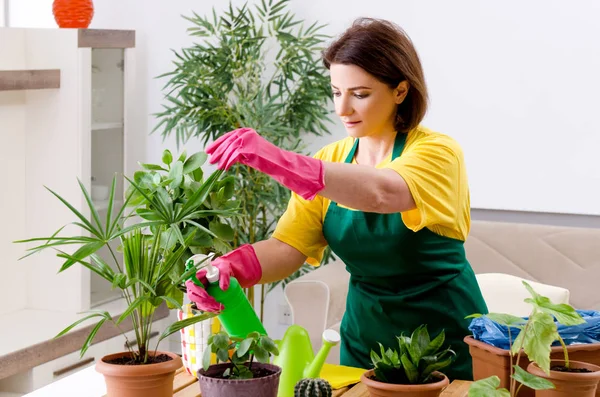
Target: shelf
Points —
{"points": [[11, 80], [103, 205], [106, 126], [106, 38]]}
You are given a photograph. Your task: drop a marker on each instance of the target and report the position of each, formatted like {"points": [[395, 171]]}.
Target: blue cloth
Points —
{"points": [[492, 333]]}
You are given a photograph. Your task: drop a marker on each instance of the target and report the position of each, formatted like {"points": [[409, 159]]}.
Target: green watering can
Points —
{"points": [[297, 359]]}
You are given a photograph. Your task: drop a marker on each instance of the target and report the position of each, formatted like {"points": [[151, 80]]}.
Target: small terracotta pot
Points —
{"points": [[381, 389], [73, 13], [267, 386], [568, 384], [154, 380]]}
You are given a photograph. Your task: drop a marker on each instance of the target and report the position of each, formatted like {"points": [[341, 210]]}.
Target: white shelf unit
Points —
{"points": [[52, 137]]}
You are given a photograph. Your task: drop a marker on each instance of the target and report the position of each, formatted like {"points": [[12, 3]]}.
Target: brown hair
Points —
{"points": [[385, 51]]}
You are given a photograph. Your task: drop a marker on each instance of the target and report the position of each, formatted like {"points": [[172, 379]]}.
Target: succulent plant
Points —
{"points": [[312, 387], [417, 358]]}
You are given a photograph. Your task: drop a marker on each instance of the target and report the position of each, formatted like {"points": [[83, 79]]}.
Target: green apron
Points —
{"points": [[400, 279]]}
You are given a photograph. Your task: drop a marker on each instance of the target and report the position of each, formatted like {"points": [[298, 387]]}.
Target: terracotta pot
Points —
{"points": [[380, 389], [73, 13], [568, 384], [154, 380], [489, 360], [267, 386]]}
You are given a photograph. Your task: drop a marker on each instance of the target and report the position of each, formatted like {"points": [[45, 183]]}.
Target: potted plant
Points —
{"points": [[146, 268], [237, 372], [535, 338], [412, 369], [255, 66]]}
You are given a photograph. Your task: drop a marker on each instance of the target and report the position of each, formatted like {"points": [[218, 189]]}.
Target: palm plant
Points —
{"points": [[256, 67], [153, 248]]}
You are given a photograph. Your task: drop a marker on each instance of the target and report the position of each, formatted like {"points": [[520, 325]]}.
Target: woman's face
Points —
{"points": [[366, 106]]}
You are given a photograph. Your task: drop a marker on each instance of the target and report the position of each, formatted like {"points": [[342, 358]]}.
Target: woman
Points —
{"points": [[391, 200]]}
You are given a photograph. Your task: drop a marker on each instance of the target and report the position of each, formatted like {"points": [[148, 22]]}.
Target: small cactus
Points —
{"points": [[312, 388]]}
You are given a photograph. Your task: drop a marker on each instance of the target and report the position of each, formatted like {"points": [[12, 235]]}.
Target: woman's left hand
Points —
{"points": [[302, 174]]}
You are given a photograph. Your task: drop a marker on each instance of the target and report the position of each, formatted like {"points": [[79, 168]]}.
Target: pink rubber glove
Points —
{"points": [[240, 263], [303, 175]]}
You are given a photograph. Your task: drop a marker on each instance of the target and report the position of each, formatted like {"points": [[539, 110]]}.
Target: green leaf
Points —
{"points": [[91, 336], [82, 253], [530, 380], [167, 157], [487, 387], [194, 162], [179, 325], [244, 347], [176, 175], [261, 355], [409, 368], [135, 305], [221, 340], [565, 314], [103, 314], [223, 355], [269, 345], [222, 230], [507, 320], [206, 359], [537, 339], [152, 167], [435, 344]]}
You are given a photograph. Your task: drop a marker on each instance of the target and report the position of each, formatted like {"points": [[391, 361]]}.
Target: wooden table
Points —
{"points": [[186, 385]]}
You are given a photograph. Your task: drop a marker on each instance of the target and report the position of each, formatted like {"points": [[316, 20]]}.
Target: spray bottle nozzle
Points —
{"points": [[191, 264]]}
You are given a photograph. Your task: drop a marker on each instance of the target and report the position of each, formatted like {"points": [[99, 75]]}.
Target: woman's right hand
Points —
{"points": [[240, 263], [201, 298]]}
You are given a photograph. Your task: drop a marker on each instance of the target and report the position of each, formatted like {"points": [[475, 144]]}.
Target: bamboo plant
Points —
{"points": [[253, 67], [155, 229]]}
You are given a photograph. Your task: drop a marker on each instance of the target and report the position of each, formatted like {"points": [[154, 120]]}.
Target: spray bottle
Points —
{"points": [[238, 317]]}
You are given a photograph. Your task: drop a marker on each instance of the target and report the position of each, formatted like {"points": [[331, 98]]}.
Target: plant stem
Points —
{"points": [[564, 346], [513, 381]]}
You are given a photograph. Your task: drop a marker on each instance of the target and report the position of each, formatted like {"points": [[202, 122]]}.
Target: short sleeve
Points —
{"points": [[301, 226], [433, 171]]}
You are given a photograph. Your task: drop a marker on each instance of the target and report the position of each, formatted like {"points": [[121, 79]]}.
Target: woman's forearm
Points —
{"points": [[277, 259], [366, 188]]}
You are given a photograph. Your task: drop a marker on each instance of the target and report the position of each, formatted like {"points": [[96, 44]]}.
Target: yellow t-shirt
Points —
{"points": [[433, 167]]}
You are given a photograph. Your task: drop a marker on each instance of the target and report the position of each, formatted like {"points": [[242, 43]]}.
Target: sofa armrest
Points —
{"points": [[505, 293]]}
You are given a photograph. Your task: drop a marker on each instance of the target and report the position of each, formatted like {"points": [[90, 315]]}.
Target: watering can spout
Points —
{"points": [[297, 359], [330, 339]]}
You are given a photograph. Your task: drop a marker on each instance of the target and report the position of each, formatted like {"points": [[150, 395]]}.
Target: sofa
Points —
{"points": [[559, 262]]}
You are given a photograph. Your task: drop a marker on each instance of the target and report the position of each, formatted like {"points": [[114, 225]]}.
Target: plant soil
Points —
{"points": [[128, 360], [562, 368], [256, 373]]}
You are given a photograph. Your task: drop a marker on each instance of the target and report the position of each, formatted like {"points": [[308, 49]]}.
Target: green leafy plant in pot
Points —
{"points": [[144, 268], [413, 368], [253, 66], [243, 367], [536, 336]]}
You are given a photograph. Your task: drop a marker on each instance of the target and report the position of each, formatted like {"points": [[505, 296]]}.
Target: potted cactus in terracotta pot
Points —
{"points": [[413, 369], [142, 256], [243, 367], [536, 334]]}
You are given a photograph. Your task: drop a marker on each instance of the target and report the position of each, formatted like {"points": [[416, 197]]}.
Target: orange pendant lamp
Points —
{"points": [[73, 13]]}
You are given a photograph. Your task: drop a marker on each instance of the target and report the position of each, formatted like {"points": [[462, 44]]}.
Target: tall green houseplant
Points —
{"points": [[255, 67]]}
